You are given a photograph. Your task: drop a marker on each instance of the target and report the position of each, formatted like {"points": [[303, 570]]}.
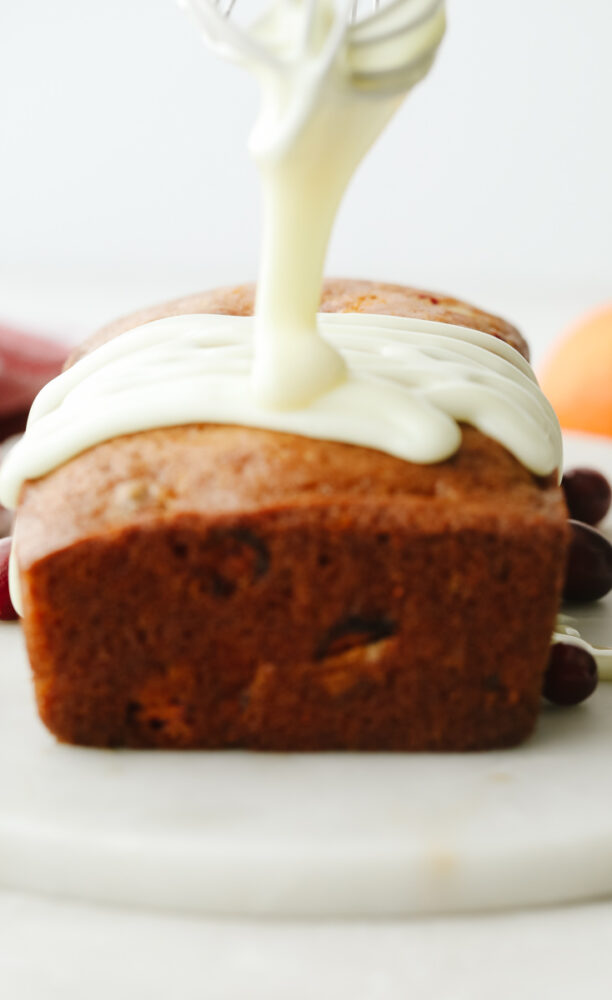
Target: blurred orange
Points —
{"points": [[577, 377]]}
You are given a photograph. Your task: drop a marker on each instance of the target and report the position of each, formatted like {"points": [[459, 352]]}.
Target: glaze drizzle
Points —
{"points": [[410, 382]]}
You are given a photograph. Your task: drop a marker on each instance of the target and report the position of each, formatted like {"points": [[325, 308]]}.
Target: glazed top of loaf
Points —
{"points": [[223, 471], [338, 295]]}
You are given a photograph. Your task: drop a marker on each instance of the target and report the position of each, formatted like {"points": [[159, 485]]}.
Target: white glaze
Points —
{"points": [[328, 90], [410, 382], [13, 578]]}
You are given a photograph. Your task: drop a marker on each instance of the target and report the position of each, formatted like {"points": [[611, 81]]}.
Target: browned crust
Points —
{"points": [[339, 295], [218, 470]]}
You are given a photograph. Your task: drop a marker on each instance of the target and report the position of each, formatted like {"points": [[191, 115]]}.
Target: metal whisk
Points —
{"points": [[386, 46]]}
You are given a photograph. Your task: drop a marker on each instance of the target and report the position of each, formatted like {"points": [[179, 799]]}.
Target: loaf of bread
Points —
{"points": [[213, 586]]}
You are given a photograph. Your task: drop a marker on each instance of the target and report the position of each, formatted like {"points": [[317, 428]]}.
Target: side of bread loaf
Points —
{"points": [[210, 586]]}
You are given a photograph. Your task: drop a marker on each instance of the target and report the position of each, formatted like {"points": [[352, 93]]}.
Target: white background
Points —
{"points": [[124, 175]]}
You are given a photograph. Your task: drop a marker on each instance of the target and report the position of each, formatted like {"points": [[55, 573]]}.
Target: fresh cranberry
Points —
{"points": [[15, 424], [571, 675], [27, 362], [7, 611], [588, 495], [589, 565]]}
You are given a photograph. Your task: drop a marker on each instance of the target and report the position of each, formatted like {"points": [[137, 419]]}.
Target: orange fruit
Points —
{"points": [[577, 377]]}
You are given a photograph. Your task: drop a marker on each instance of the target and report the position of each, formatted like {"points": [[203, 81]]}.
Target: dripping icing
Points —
{"points": [[328, 89], [409, 384]]}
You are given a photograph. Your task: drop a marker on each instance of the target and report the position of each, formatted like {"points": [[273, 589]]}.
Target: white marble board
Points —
{"points": [[310, 835]]}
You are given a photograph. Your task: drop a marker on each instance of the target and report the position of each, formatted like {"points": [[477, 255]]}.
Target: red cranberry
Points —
{"points": [[589, 566], [588, 495], [14, 424], [571, 675], [26, 363], [7, 611]]}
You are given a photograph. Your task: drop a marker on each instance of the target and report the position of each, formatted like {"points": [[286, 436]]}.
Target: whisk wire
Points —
{"points": [[225, 35], [385, 21]]}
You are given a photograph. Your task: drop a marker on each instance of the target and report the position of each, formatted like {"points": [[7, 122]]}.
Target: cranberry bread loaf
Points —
{"points": [[217, 586]]}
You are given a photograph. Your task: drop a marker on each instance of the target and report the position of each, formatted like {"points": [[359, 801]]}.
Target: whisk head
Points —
{"points": [[358, 8], [386, 45], [354, 12]]}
